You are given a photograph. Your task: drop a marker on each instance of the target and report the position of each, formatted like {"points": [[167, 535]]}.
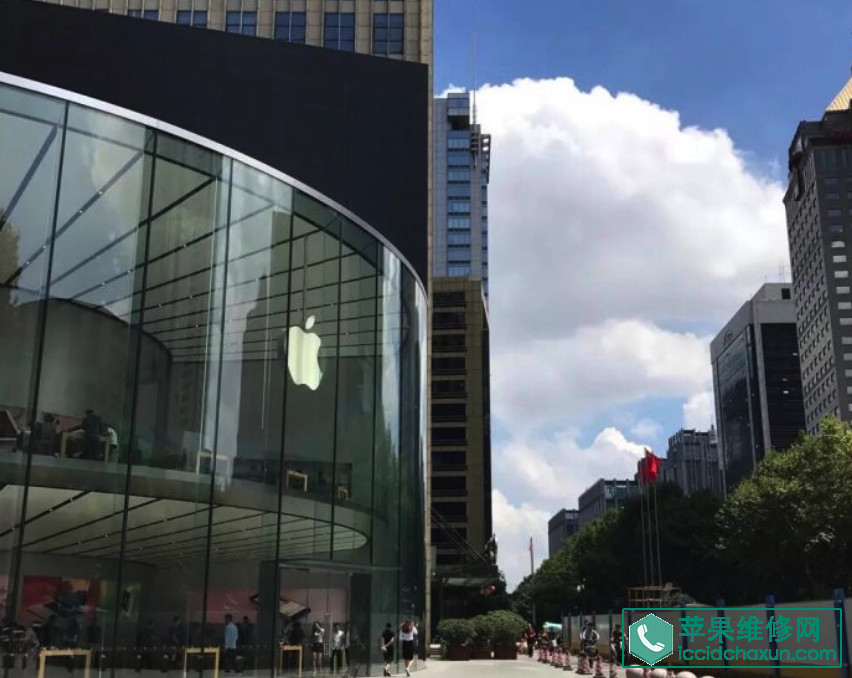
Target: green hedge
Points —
{"points": [[456, 631]]}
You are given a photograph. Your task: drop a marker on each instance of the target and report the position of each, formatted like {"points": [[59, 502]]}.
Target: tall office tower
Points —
{"points": [[819, 229], [757, 382], [692, 461], [460, 445], [461, 162], [602, 496], [559, 528], [399, 29]]}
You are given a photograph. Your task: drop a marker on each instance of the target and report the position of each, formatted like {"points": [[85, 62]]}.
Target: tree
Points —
{"points": [[789, 526]]}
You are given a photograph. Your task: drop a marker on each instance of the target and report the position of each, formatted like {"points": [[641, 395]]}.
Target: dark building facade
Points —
{"points": [[692, 462], [757, 382], [819, 228], [460, 444], [559, 528], [604, 495], [212, 372]]}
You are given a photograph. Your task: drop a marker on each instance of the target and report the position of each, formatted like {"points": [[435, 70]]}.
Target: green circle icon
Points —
{"points": [[651, 639]]}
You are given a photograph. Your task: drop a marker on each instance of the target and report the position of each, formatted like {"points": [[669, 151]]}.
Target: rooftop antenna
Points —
{"points": [[473, 48], [782, 273]]}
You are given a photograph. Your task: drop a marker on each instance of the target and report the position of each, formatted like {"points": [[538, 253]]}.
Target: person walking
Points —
{"points": [[615, 642], [530, 637], [387, 641], [232, 634], [339, 640], [408, 638], [317, 645]]}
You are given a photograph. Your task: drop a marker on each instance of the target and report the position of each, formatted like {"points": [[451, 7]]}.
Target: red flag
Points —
{"points": [[650, 467]]}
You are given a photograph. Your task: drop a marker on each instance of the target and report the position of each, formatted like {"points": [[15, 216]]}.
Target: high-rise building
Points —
{"points": [[692, 461], [461, 162], [602, 496], [819, 228], [757, 382], [559, 528], [460, 443], [399, 29]]}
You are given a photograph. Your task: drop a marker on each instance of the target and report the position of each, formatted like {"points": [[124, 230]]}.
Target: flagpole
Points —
{"points": [[642, 521], [532, 582], [657, 521], [647, 497]]}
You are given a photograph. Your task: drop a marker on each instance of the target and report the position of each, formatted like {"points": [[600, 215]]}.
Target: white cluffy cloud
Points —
{"points": [[620, 241]]}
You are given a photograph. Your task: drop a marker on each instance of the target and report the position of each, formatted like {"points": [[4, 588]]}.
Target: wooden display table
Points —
{"points": [[69, 652], [65, 436], [290, 648], [202, 651]]}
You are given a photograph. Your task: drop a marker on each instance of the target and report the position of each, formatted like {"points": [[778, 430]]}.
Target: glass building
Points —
{"points": [[211, 402]]}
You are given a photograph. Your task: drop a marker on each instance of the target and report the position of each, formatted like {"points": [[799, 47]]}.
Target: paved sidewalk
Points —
{"points": [[521, 668]]}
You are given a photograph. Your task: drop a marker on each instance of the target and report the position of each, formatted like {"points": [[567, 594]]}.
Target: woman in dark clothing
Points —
{"points": [[408, 637], [317, 645], [388, 638]]}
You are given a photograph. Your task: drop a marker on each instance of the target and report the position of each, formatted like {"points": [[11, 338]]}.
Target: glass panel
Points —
{"points": [[386, 525], [30, 140], [312, 341], [72, 571], [242, 580], [173, 449]]}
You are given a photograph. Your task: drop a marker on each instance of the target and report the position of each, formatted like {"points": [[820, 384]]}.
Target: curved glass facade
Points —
{"points": [[212, 392]]}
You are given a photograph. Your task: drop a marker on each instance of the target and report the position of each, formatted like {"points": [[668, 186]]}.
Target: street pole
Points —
{"points": [[532, 582]]}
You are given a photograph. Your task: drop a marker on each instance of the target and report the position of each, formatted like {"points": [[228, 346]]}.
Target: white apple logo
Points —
{"points": [[303, 356]]}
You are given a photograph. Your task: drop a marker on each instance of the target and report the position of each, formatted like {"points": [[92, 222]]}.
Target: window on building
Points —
{"points": [[835, 228], [290, 27], [785, 292], [150, 14], [244, 23], [339, 31], [448, 365], [449, 485], [458, 254], [458, 270], [458, 175], [458, 191], [839, 258], [449, 387], [834, 213], [459, 207], [452, 435], [459, 222], [388, 34], [449, 319], [844, 305], [458, 159], [448, 343], [453, 459], [832, 196], [449, 411], [458, 238], [458, 142], [196, 18], [448, 299], [838, 244], [451, 510], [843, 289]]}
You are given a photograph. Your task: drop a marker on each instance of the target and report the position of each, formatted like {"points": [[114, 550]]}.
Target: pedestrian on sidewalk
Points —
{"points": [[408, 637], [387, 641]]}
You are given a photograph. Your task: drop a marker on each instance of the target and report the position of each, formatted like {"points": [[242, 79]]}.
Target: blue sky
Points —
{"points": [[754, 67], [621, 239]]}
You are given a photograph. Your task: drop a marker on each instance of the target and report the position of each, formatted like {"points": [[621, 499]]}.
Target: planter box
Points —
{"points": [[506, 651], [482, 652], [458, 653]]}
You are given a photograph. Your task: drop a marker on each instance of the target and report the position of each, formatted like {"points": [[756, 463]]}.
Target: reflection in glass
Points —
{"points": [[211, 407]]}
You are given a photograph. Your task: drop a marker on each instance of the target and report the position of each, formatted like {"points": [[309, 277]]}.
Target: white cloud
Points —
{"points": [[514, 526], [620, 241], [620, 361], [537, 477], [699, 411], [646, 428]]}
